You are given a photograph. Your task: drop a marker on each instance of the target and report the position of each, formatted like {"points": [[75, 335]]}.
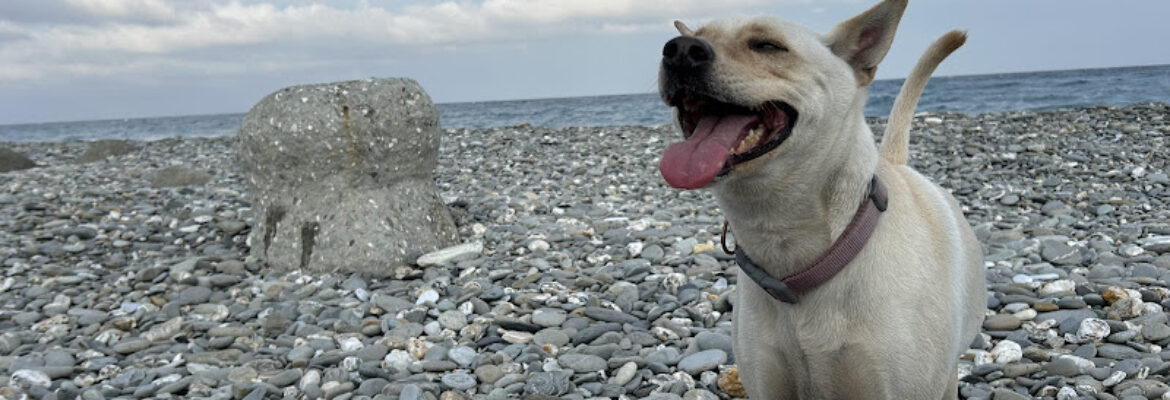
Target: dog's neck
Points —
{"points": [[786, 221]]}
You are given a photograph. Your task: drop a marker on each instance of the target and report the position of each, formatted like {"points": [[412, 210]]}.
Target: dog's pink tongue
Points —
{"points": [[695, 162]]}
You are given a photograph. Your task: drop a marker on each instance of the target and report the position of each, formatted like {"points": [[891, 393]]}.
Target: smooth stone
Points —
{"points": [[450, 255], [459, 381], [193, 295], [411, 392], [581, 363], [548, 317], [299, 356], [286, 377], [488, 373], [517, 337], [1156, 244], [131, 345], [609, 315], [462, 355], [594, 331], [1020, 369], [1117, 351], [453, 320], [1059, 252], [1155, 332], [702, 361], [625, 373], [371, 387], [1063, 367], [1001, 322], [554, 337], [1007, 351], [707, 340], [217, 358]]}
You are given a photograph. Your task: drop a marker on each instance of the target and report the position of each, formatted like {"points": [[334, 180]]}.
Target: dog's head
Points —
{"points": [[747, 94]]}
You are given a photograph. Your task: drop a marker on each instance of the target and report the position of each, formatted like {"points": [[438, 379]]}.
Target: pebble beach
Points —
{"points": [[584, 275]]}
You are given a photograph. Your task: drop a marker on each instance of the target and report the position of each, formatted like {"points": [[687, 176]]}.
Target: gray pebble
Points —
{"points": [[1001, 322], [459, 381], [702, 361], [581, 363]]}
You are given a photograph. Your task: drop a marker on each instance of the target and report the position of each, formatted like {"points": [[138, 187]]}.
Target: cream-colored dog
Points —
{"points": [[771, 115]]}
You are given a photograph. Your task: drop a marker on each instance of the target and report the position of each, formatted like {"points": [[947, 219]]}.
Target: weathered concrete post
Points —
{"points": [[341, 176]]}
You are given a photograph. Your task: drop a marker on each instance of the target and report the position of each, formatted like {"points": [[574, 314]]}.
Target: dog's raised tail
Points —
{"points": [[895, 146]]}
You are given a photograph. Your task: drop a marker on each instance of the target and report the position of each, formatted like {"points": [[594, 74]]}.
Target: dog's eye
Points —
{"points": [[766, 46]]}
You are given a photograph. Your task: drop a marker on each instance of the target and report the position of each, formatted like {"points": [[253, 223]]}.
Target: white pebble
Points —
{"points": [[350, 344], [1132, 251], [478, 229], [398, 359], [432, 328], [6, 284], [673, 281], [429, 295], [538, 245], [1026, 314], [625, 373], [551, 365], [1045, 277], [634, 248], [350, 364], [1113, 378], [516, 337], [1081, 363], [1057, 286], [451, 254], [1007, 351], [1092, 330], [719, 285], [30, 377]]}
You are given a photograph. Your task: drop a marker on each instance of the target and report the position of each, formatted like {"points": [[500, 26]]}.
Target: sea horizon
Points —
{"points": [[456, 103]]}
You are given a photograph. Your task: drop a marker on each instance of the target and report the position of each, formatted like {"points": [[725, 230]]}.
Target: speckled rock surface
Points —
{"points": [[342, 176]]}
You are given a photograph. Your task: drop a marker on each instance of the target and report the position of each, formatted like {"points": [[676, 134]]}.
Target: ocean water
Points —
{"points": [[973, 94]]}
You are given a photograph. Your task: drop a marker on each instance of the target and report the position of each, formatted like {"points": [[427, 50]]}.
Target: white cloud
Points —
{"points": [[146, 9], [137, 36]]}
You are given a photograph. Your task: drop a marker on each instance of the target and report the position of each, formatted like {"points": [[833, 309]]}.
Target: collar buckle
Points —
{"points": [[775, 287]]}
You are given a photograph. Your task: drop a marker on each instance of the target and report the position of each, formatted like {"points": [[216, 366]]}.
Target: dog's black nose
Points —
{"points": [[686, 53]]}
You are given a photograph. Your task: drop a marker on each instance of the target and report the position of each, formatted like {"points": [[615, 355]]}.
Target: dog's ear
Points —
{"points": [[683, 29], [863, 41]]}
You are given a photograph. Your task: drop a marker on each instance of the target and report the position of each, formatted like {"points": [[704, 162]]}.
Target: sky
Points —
{"points": [[65, 60]]}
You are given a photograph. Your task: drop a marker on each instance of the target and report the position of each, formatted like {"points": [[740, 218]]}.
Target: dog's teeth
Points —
{"points": [[748, 141]]}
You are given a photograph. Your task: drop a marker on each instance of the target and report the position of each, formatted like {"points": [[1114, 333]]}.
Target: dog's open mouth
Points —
{"points": [[718, 136]]}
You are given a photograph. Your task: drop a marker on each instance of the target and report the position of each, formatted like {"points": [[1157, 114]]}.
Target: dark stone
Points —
{"points": [[13, 161]]}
